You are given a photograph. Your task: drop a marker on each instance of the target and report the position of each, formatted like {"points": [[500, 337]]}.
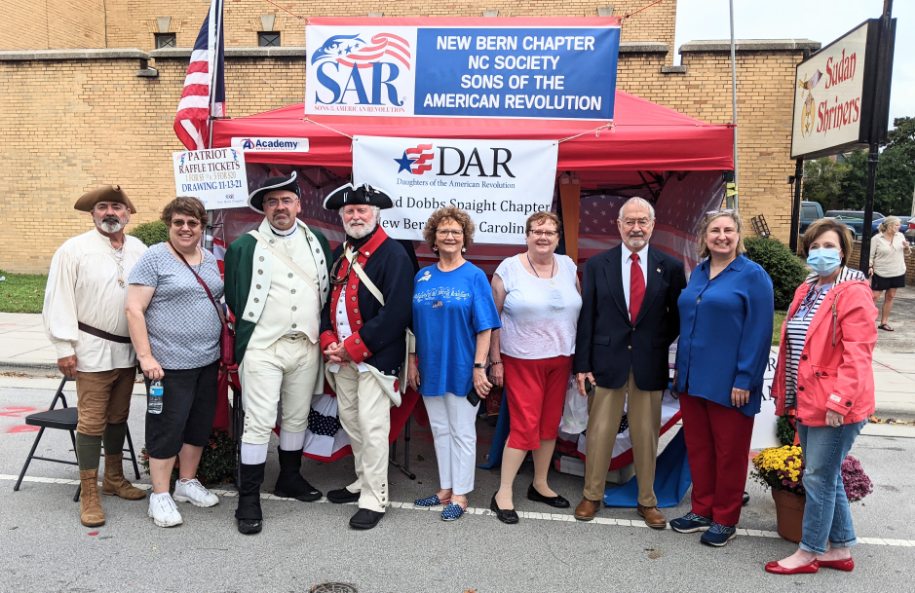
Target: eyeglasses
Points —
{"points": [[632, 222], [191, 223], [274, 202], [451, 232], [540, 234], [721, 211]]}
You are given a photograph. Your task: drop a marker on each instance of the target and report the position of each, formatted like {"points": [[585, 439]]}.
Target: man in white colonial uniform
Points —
{"points": [[276, 284], [85, 320]]}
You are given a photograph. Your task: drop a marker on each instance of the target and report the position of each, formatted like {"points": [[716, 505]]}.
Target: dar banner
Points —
{"points": [[553, 68], [498, 182]]}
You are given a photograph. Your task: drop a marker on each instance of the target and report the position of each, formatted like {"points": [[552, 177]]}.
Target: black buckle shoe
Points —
{"points": [[250, 526], [342, 496], [365, 519]]}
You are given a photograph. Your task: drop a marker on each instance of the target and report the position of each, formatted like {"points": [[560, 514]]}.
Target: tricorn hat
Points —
{"points": [[256, 199], [363, 194], [106, 193]]}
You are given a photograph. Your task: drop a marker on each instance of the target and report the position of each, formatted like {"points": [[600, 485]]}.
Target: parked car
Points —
{"points": [[910, 234], [853, 219], [903, 220], [810, 212]]}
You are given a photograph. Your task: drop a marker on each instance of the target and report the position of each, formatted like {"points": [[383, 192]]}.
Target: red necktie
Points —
{"points": [[636, 288]]}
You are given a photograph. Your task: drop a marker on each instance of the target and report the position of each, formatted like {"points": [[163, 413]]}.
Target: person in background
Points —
{"points": [[628, 320], [726, 315], [825, 373], [887, 266], [175, 328], [538, 297], [453, 318], [84, 318]]}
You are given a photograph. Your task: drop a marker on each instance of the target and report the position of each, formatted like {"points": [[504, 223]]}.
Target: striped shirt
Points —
{"points": [[796, 337]]}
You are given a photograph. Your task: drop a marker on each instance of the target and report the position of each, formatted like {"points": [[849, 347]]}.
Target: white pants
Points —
{"points": [[365, 413], [284, 373], [454, 431]]}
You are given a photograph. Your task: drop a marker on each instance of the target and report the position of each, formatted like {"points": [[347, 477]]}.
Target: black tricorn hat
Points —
{"points": [[256, 199], [363, 194], [106, 193]]}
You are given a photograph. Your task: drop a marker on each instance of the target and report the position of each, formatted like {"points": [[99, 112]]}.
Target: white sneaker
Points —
{"points": [[163, 510], [193, 491]]}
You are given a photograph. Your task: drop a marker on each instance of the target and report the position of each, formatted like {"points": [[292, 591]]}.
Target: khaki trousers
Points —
{"points": [[605, 410], [283, 373], [103, 398], [365, 413]]}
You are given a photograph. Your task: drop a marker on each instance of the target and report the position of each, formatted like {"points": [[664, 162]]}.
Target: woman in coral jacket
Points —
{"points": [[825, 374]]}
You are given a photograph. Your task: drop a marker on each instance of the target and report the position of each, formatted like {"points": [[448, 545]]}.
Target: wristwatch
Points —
{"points": [[479, 365]]}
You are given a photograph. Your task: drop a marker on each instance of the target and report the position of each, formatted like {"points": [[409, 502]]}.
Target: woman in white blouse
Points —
{"points": [[887, 265], [538, 297]]}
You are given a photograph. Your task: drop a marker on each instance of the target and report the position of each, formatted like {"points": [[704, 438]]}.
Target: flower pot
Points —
{"points": [[789, 514]]}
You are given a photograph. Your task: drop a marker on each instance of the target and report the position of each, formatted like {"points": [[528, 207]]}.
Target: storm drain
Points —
{"points": [[333, 588]]}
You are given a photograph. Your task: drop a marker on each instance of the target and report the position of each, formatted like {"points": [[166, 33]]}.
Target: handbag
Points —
{"points": [[409, 337], [227, 335]]}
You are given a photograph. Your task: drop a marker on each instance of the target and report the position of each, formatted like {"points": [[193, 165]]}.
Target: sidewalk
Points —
{"points": [[25, 348]]}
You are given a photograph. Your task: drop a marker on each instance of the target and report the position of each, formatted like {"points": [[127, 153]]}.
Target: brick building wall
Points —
{"points": [[61, 24], [74, 121]]}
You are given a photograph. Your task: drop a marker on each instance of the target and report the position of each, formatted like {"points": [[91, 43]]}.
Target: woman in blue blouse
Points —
{"points": [[725, 334], [453, 318]]}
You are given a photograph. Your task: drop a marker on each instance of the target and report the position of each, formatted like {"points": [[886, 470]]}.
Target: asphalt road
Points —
{"points": [[44, 548]]}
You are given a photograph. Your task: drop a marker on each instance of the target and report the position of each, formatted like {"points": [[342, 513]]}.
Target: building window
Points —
{"points": [[268, 39], [164, 40]]}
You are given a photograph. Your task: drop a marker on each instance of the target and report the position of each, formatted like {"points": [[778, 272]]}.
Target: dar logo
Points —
{"points": [[417, 159]]}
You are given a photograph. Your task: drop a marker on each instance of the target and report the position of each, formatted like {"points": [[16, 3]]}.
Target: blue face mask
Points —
{"points": [[824, 261]]}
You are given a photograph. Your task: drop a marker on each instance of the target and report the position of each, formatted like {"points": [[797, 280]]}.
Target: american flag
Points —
{"points": [[353, 51], [204, 93]]}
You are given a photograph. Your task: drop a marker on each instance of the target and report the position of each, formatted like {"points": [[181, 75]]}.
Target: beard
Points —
{"points": [[110, 224], [358, 230]]}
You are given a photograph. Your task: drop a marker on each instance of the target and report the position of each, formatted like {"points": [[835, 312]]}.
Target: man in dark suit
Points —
{"points": [[628, 320]]}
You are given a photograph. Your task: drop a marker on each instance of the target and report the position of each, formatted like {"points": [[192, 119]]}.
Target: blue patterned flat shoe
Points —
{"points": [[452, 512], [430, 501]]}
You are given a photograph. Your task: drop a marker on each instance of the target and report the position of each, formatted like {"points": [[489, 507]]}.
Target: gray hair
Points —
{"points": [[887, 222], [640, 202]]}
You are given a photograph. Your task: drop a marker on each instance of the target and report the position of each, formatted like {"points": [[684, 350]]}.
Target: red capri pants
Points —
{"points": [[536, 391]]}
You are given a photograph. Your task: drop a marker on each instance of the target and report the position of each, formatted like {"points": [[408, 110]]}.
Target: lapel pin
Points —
{"points": [[658, 270]]}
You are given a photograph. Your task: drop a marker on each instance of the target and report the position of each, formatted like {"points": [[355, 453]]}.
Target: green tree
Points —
{"points": [[823, 181]]}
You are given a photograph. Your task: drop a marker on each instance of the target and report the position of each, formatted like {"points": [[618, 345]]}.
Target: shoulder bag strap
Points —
{"points": [[206, 288]]}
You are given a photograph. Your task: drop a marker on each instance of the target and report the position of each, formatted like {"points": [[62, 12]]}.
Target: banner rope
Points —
{"points": [[595, 131], [632, 14], [286, 10], [327, 127]]}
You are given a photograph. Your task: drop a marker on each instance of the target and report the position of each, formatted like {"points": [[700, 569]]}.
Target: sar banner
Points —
{"points": [[519, 68], [498, 182]]}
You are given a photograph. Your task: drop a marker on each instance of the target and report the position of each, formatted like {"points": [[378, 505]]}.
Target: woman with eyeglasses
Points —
{"points": [[175, 329], [453, 319], [825, 374], [538, 297], [726, 314]]}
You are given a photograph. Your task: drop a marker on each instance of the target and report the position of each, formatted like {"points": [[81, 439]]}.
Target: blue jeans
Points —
{"points": [[827, 517]]}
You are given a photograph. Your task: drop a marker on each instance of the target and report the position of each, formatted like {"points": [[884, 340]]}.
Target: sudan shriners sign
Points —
{"points": [[556, 68], [499, 183], [834, 95]]}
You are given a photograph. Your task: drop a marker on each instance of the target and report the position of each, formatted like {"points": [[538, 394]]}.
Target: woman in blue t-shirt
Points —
{"points": [[453, 318]]}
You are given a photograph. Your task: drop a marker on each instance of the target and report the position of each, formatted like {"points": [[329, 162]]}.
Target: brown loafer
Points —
{"points": [[653, 517], [586, 509]]}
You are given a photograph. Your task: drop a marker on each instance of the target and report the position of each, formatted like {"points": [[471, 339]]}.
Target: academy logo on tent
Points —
{"points": [[416, 159], [271, 144]]}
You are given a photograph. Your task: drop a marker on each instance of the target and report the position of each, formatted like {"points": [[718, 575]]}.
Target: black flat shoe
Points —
{"points": [[250, 526], [557, 502], [507, 516], [342, 496], [365, 519]]}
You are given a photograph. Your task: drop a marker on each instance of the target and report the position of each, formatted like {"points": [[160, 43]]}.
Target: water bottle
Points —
{"points": [[154, 402]]}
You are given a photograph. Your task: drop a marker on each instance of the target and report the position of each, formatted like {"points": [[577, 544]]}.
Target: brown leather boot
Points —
{"points": [[115, 484], [90, 507]]}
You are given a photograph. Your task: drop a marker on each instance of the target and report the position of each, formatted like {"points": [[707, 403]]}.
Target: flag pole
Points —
{"points": [[215, 12], [736, 199]]}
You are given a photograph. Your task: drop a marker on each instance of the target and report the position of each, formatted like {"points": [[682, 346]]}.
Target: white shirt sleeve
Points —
{"points": [[59, 312]]}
